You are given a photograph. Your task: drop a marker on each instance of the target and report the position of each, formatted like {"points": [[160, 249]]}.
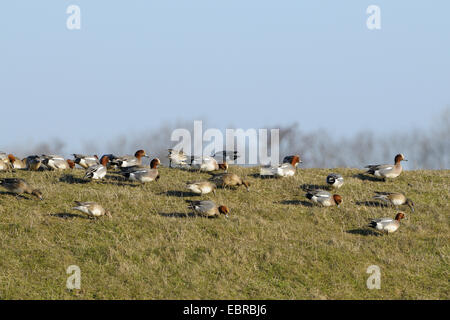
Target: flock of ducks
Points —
{"points": [[131, 168]]}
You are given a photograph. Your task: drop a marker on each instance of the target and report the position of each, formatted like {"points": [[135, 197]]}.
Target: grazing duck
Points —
{"points": [[286, 169], [17, 163], [387, 225], [387, 170], [394, 198], [92, 209], [230, 180], [57, 162], [128, 160], [324, 198], [335, 180], [33, 163], [208, 208], [86, 161], [178, 157], [97, 171], [202, 187], [20, 186], [143, 175]]}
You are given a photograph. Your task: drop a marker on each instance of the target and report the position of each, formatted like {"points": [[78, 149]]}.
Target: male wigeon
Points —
{"points": [[17, 163], [387, 170], [85, 161], [286, 169], [394, 198], [143, 175], [128, 160], [230, 180], [387, 225], [177, 157], [208, 208], [20, 186], [54, 162], [201, 187], [92, 209], [97, 171], [33, 162], [324, 198], [335, 180]]}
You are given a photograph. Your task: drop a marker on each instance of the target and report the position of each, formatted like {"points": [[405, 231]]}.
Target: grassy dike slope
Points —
{"points": [[275, 245]]}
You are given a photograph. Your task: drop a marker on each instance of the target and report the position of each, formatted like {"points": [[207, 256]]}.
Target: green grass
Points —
{"points": [[273, 246]]}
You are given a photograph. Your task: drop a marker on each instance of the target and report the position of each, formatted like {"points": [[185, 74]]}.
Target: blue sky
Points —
{"points": [[243, 63]]}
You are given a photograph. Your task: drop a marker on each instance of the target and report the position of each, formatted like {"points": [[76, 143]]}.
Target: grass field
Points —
{"points": [[274, 245]]}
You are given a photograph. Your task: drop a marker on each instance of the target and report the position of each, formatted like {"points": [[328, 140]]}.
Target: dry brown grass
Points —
{"points": [[273, 246]]}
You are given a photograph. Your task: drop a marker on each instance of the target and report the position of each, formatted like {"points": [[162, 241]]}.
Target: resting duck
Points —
{"points": [[387, 225], [204, 164], [202, 187], [335, 180], [230, 180], [98, 171], [17, 163], [20, 186], [387, 170], [57, 162], [85, 161], [92, 209], [286, 169], [324, 198], [177, 157], [143, 175], [394, 198], [128, 160], [33, 162], [208, 208]]}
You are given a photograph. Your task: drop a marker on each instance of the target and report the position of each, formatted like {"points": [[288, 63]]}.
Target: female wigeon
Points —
{"points": [[92, 209], [20, 186], [17, 163], [208, 208], [394, 198], [128, 160], [85, 161], [201, 187], [335, 180], [324, 198], [286, 169], [143, 175], [387, 170], [387, 225], [230, 180], [54, 162], [33, 163], [97, 171], [177, 157], [205, 163]]}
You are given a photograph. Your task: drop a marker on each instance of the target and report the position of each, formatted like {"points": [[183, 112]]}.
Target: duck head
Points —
{"points": [[337, 199]]}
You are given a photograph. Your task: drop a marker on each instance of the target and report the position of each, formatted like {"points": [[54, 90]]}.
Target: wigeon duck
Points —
{"points": [[92, 209], [387, 170], [17, 163], [20, 186], [294, 160], [128, 160], [178, 157], [143, 174], [204, 163], [33, 163], [335, 180], [324, 197], [208, 208], [394, 198], [86, 161], [387, 225], [97, 171], [287, 169], [230, 180], [54, 162], [202, 187]]}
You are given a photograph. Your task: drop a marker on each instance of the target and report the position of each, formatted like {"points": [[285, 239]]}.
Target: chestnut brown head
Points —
{"points": [[104, 161], [224, 210], [140, 154], [11, 158], [155, 163], [295, 160], [337, 199], [71, 164], [399, 158], [223, 166], [400, 216]]}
